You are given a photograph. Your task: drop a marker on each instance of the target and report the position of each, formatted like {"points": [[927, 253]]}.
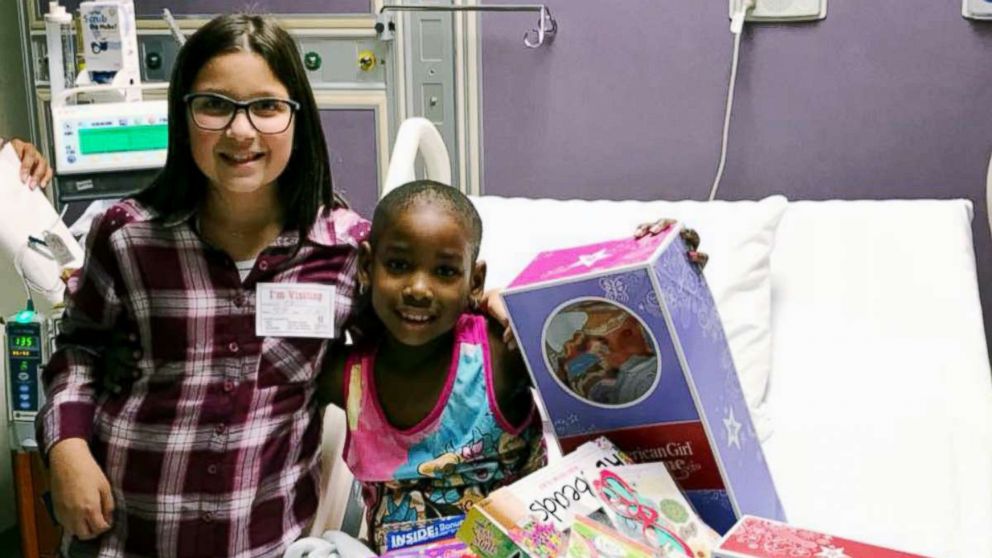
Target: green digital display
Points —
{"points": [[123, 138], [24, 341]]}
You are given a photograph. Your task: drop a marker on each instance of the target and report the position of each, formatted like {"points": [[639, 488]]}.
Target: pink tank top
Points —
{"points": [[462, 450]]}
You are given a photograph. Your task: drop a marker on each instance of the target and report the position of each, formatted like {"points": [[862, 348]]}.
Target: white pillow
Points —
{"points": [[738, 236]]}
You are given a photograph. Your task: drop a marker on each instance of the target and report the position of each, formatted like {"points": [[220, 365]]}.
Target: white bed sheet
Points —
{"points": [[880, 389]]}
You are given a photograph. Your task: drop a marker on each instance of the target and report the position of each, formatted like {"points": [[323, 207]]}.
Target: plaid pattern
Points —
{"points": [[213, 450]]}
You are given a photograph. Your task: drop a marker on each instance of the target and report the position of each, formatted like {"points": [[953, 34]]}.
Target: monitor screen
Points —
{"points": [[123, 139]]}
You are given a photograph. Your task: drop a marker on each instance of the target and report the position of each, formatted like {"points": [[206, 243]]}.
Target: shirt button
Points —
{"points": [[220, 429], [212, 469], [263, 265], [228, 386], [233, 347], [208, 517], [240, 300]]}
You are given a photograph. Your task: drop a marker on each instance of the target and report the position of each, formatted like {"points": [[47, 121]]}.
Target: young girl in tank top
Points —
{"points": [[439, 411]]}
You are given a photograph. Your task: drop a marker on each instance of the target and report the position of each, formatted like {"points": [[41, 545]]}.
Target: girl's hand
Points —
{"points": [[84, 504], [690, 236], [34, 168], [492, 305]]}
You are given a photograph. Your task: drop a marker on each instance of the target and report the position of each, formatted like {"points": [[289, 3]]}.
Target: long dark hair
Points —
{"points": [[305, 185]]}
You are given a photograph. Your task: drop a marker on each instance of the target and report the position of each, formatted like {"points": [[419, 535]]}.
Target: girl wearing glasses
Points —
{"points": [[212, 449]]}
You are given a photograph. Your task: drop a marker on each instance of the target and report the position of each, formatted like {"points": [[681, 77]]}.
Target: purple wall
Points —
{"points": [[350, 136], [883, 99]]}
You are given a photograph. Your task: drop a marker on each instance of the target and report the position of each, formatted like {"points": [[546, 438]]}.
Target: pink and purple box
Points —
{"points": [[623, 339]]}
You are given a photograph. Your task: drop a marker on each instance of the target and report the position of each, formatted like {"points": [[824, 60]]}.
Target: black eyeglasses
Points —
{"points": [[215, 112]]}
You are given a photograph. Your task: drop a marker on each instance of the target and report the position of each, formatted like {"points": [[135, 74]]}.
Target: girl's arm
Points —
{"points": [[330, 381], [82, 498], [361, 324], [511, 381], [72, 378]]}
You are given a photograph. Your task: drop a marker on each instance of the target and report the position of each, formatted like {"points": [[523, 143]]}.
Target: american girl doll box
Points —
{"points": [[754, 537], [623, 340]]}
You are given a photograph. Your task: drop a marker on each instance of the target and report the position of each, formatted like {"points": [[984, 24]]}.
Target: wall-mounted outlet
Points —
{"points": [[785, 11], [976, 9]]}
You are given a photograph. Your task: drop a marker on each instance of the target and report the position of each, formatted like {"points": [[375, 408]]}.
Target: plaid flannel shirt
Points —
{"points": [[213, 450]]}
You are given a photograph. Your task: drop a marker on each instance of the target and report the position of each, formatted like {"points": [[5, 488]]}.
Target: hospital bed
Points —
{"points": [[863, 319]]}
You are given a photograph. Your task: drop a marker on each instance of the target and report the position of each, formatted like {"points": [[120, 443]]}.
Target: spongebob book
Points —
{"points": [[398, 536]]}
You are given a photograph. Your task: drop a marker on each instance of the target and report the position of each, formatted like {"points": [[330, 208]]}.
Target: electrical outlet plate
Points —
{"points": [[976, 9], [786, 11]]}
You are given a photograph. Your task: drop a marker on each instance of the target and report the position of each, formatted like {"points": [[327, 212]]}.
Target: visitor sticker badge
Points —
{"points": [[294, 310]]}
